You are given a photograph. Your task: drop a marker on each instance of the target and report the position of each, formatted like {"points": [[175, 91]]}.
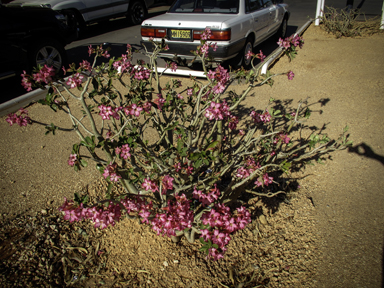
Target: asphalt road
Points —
{"points": [[117, 33]]}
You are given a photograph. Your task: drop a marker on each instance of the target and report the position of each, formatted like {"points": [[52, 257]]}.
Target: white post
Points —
{"points": [[382, 17], [319, 11]]}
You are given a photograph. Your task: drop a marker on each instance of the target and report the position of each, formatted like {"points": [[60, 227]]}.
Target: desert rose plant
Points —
{"points": [[189, 179]]}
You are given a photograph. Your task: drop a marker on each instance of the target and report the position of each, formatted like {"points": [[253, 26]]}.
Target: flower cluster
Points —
{"points": [[265, 179], [72, 159], [290, 75], [133, 109], [123, 65], [44, 75], [100, 217], [217, 111], [167, 183], [223, 223], [257, 117], [110, 171], [249, 167], [288, 42], [22, 119], [141, 73], [203, 50], [206, 198], [99, 51], [75, 80], [106, 112], [150, 185], [139, 206], [283, 137], [260, 56], [172, 66], [123, 152], [220, 77], [187, 170], [178, 216]]}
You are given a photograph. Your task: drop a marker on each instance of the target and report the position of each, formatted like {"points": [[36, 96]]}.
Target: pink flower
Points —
{"points": [[20, 120], [85, 65], [265, 117], [44, 75], [72, 159], [135, 110], [290, 75], [110, 171], [206, 34], [249, 55], [177, 167], [90, 50], [123, 152], [173, 67], [167, 182], [160, 102], [260, 56], [75, 80], [107, 111], [25, 81], [149, 185]]}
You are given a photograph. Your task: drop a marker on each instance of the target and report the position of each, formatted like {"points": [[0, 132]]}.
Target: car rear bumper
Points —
{"points": [[183, 50]]}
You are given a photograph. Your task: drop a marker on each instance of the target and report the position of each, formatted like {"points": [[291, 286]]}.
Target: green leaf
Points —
{"points": [[100, 168], [277, 112], [202, 241], [197, 163], [286, 166], [213, 145], [83, 163], [110, 185], [194, 156]]}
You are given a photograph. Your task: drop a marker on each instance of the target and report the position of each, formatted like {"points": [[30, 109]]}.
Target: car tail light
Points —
{"points": [[221, 35], [152, 32], [160, 33], [216, 35]]}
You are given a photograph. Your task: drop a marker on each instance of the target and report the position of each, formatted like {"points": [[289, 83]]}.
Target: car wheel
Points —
{"points": [[282, 29], [246, 63], [136, 12], [50, 53]]}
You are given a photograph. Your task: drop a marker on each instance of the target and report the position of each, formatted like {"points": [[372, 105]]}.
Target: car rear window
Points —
{"points": [[205, 6]]}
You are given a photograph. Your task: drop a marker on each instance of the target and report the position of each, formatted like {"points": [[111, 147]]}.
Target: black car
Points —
{"points": [[31, 36]]}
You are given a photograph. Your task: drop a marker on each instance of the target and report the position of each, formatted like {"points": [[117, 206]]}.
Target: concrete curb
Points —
{"points": [[15, 104]]}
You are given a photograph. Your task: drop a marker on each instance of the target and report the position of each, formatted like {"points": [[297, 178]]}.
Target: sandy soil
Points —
{"points": [[329, 233]]}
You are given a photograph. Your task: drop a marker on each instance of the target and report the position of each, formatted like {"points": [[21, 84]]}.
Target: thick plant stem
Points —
{"points": [[219, 139]]}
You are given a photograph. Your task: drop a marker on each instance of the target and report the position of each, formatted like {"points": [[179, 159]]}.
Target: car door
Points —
{"points": [[273, 21], [96, 9], [120, 6], [12, 56], [260, 17]]}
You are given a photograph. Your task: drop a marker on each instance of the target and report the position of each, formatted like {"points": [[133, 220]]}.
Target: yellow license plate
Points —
{"points": [[181, 34]]}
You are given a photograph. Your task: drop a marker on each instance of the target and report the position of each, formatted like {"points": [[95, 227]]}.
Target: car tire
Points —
{"points": [[136, 12], [246, 63], [282, 32], [50, 53]]}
